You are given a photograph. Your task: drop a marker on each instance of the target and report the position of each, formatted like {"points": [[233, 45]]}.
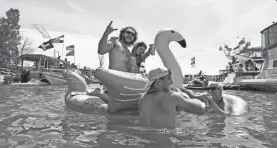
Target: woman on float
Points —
{"points": [[139, 54]]}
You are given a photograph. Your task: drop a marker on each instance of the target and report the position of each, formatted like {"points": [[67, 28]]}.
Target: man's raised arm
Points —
{"points": [[104, 46]]}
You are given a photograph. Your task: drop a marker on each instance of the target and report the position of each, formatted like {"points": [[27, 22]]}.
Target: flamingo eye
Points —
{"points": [[172, 31]]}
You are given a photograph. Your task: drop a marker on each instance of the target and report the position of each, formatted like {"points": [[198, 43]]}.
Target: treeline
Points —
{"points": [[12, 43]]}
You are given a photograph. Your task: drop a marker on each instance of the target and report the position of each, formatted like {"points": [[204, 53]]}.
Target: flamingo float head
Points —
{"points": [[169, 35]]}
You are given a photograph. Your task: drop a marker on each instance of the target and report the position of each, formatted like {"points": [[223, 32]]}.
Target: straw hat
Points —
{"points": [[155, 74]]}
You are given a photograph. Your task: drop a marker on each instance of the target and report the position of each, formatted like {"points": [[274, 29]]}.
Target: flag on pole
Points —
{"points": [[242, 41], [192, 63], [242, 44], [70, 53], [59, 39], [46, 45], [227, 48], [70, 47]]}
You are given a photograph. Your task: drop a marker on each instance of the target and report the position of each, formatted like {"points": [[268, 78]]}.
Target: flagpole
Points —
{"points": [[74, 56], [54, 49], [62, 49]]}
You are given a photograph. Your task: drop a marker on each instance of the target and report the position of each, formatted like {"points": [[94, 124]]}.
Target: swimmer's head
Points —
{"points": [[215, 88], [159, 78], [139, 49], [128, 35]]}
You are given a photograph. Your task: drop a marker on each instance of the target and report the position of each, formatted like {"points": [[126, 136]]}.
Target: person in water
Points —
{"points": [[225, 104], [138, 52], [158, 106], [118, 48]]}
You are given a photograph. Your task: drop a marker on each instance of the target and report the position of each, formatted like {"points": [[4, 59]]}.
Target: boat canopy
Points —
{"points": [[37, 57]]}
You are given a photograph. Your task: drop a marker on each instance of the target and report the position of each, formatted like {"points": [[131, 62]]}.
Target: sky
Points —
{"points": [[205, 24]]}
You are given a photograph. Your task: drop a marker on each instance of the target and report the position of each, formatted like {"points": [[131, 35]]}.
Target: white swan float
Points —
{"points": [[118, 82]]}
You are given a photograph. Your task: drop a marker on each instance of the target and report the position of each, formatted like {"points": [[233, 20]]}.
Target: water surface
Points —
{"points": [[36, 116]]}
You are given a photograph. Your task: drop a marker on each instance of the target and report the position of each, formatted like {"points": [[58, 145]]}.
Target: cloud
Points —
{"points": [[74, 6], [249, 24]]}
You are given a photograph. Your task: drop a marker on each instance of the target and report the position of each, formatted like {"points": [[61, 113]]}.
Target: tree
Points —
{"points": [[9, 37], [26, 46]]}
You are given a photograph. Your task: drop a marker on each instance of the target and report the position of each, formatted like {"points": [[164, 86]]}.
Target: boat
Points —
{"points": [[6, 76], [263, 76], [54, 77], [266, 80], [46, 69]]}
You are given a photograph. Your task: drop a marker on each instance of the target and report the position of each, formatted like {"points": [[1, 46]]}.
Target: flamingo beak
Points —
{"points": [[183, 43]]}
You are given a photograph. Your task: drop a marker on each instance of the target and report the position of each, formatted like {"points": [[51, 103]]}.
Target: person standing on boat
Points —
{"points": [[118, 47]]}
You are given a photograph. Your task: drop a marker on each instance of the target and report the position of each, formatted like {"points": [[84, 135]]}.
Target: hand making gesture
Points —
{"points": [[110, 29]]}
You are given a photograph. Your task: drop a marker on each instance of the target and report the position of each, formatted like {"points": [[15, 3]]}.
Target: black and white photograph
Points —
{"points": [[138, 74]]}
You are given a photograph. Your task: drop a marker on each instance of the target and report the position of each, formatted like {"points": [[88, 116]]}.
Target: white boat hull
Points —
{"points": [[260, 84], [2, 79], [55, 78]]}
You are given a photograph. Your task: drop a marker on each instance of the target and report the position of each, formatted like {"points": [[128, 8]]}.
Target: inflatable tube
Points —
{"points": [[199, 88], [236, 105], [122, 84], [76, 97], [117, 82]]}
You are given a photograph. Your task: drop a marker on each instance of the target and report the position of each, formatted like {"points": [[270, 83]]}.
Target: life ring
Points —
{"points": [[123, 84]]}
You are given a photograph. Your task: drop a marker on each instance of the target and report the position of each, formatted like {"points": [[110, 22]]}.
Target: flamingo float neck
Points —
{"points": [[162, 41]]}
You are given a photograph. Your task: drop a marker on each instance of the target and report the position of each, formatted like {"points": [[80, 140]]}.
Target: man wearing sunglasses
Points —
{"points": [[158, 106], [118, 47], [224, 103], [119, 55]]}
